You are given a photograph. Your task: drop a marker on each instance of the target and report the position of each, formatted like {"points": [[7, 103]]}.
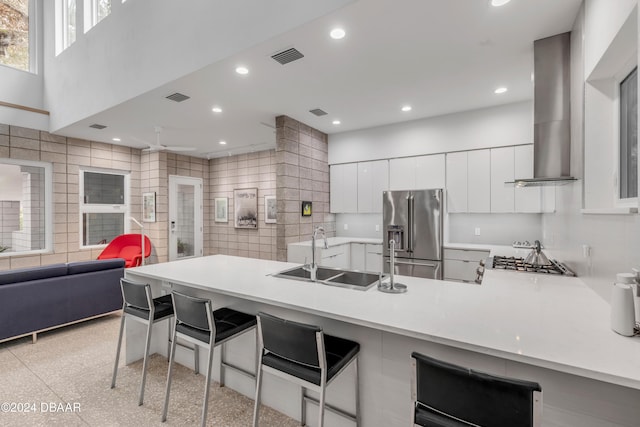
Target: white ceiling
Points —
{"points": [[439, 56]]}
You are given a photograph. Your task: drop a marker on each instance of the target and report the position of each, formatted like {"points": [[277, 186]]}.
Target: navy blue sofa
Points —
{"points": [[36, 299]]}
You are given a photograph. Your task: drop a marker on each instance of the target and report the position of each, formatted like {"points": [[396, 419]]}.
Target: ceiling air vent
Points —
{"points": [[318, 112], [97, 126], [178, 97], [287, 56]]}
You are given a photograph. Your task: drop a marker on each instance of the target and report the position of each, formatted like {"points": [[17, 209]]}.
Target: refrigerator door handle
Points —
{"points": [[410, 218], [420, 264]]}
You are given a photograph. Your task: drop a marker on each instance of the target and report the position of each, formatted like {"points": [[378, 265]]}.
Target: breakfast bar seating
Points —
{"points": [[141, 306], [448, 395], [304, 355], [197, 323]]}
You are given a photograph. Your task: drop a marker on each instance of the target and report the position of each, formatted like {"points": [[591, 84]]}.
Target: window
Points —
{"points": [[104, 206], [95, 11], [628, 167], [15, 24], [68, 22], [25, 207]]}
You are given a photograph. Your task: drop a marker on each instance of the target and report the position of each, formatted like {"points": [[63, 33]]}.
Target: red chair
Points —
{"points": [[128, 247]]}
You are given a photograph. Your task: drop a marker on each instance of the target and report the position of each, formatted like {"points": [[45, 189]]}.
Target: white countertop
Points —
{"points": [[336, 241], [549, 321]]}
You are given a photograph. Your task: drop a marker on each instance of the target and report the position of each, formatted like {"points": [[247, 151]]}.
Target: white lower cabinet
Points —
{"points": [[461, 264], [374, 257], [335, 256], [358, 257]]}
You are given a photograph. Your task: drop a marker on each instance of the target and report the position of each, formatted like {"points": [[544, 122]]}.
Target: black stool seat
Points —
{"points": [[163, 307], [426, 417], [339, 352], [228, 323]]}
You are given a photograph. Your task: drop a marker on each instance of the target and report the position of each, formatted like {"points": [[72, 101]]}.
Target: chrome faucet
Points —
{"points": [[314, 267]]}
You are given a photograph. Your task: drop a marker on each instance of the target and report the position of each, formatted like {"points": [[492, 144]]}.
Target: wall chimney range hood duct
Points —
{"points": [[552, 113]]}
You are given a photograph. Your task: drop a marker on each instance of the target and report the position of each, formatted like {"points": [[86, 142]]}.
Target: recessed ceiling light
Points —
{"points": [[242, 70], [406, 108], [216, 110], [499, 2], [337, 33], [500, 90], [336, 122], [116, 139], [223, 142]]}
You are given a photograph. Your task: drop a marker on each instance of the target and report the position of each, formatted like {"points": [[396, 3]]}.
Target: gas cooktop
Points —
{"points": [[518, 264]]}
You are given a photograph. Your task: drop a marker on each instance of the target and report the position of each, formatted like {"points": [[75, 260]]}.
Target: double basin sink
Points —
{"points": [[332, 276]]}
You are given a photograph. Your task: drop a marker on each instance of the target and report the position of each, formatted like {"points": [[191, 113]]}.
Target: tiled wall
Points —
{"points": [[66, 155], [252, 170], [9, 220], [302, 174]]}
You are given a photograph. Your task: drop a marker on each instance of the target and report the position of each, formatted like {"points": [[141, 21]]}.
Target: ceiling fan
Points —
{"points": [[161, 147]]}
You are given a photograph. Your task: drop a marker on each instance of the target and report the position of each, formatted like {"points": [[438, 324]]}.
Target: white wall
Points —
{"points": [[359, 225], [495, 229], [147, 43], [509, 124], [614, 242]]}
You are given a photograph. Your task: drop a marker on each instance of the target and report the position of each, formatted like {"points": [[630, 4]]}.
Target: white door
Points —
{"points": [[185, 217]]}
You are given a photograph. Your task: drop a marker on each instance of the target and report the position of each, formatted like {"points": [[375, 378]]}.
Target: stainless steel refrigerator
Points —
{"points": [[414, 220]]}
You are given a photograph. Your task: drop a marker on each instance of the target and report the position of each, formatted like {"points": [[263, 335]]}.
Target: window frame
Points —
{"points": [[34, 12], [124, 208], [91, 14], [48, 205], [625, 71]]}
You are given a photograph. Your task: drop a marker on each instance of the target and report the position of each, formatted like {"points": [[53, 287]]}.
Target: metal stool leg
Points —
{"points": [[115, 367], [303, 407], [221, 373], [357, 380], [206, 387], [144, 363], [256, 404], [172, 353], [321, 406]]}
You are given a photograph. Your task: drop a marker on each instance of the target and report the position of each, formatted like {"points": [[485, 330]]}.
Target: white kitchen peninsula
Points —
{"points": [[554, 330]]}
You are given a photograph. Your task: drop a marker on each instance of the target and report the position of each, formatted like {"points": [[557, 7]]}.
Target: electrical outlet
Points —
{"points": [[586, 251], [477, 231], [377, 227], [346, 226]]}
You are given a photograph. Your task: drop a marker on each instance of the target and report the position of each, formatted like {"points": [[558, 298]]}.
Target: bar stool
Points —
{"points": [[140, 306], [444, 394], [304, 355], [198, 324]]}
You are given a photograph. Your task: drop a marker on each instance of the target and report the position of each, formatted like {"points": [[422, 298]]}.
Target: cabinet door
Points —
{"points": [[335, 256], [430, 172], [479, 181], [502, 195], [402, 173], [343, 183], [373, 179], [526, 199], [374, 258], [358, 256], [457, 182]]}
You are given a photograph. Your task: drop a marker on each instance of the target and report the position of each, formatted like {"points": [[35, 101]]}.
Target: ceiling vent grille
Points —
{"points": [[318, 112], [97, 126], [287, 56], [178, 97]]}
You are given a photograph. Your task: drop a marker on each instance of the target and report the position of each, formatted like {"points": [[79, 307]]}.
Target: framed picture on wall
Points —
{"points": [[149, 207], [270, 209], [221, 209], [306, 208], [245, 203]]}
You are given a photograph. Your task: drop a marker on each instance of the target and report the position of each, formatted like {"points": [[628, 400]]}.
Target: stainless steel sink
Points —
{"points": [[333, 276]]}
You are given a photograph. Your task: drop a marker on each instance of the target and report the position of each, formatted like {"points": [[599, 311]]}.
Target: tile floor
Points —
{"points": [[73, 366]]}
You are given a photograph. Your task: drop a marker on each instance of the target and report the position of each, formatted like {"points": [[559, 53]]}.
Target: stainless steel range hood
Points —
{"points": [[552, 113]]}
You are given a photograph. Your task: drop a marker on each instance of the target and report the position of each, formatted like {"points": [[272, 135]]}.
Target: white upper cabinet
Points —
{"points": [[502, 170], [415, 173], [373, 179], [479, 181], [457, 182], [527, 199], [343, 182]]}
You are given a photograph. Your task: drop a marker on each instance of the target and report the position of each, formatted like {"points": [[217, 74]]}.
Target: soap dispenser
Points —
{"points": [[622, 305]]}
